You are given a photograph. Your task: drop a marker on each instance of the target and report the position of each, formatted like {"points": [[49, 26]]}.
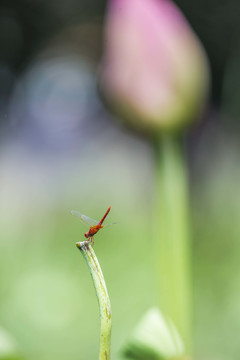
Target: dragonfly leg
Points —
{"points": [[92, 240]]}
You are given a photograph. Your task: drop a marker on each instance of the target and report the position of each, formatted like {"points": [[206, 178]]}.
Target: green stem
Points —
{"points": [[173, 248], [103, 298]]}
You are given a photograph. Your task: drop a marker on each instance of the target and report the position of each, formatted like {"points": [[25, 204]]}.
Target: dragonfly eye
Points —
{"points": [[86, 235]]}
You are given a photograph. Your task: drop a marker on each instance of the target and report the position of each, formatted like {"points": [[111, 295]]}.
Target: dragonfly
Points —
{"points": [[95, 225]]}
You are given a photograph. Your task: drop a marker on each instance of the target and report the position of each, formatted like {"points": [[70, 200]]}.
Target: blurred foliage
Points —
{"points": [[155, 338], [8, 347], [216, 245]]}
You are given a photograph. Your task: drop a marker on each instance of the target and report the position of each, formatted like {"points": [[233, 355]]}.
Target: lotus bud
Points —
{"points": [[154, 72]]}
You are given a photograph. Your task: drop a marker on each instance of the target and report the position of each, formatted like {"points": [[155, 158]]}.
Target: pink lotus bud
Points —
{"points": [[154, 71]]}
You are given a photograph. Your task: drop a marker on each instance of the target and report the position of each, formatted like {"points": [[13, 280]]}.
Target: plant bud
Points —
{"points": [[154, 71]]}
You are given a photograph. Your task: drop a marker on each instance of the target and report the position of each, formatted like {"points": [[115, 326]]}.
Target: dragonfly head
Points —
{"points": [[86, 235]]}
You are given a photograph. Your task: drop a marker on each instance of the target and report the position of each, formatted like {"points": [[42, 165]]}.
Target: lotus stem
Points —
{"points": [[102, 296], [173, 248]]}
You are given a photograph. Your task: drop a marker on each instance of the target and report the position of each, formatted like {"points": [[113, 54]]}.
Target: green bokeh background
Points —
{"points": [[48, 302]]}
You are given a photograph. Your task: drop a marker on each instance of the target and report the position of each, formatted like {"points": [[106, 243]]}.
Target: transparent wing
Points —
{"points": [[84, 219], [110, 224]]}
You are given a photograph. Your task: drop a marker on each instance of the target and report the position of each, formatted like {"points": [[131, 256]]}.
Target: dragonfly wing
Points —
{"points": [[84, 219], [110, 224]]}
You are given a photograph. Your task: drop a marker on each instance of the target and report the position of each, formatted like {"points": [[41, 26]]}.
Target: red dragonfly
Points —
{"points": [[95, 225]]}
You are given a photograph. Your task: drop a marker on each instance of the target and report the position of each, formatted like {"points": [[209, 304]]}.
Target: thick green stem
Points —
{"points": [[103, 298], [173, 248]]}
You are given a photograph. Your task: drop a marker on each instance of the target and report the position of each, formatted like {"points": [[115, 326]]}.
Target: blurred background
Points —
{"points": [[61, 150]]}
